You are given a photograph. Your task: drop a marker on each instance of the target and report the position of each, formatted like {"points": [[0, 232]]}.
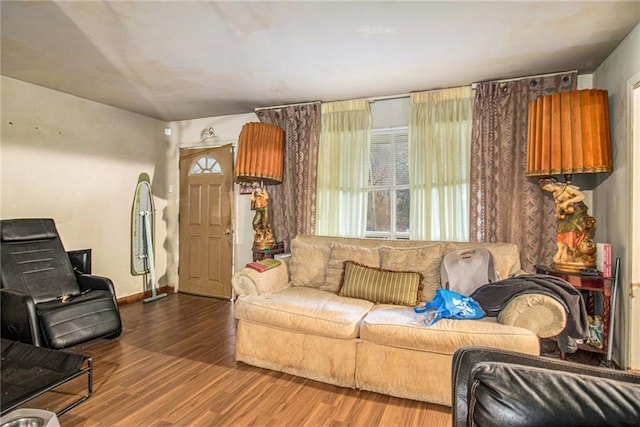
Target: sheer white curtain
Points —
{"points": [[439, 144], [343, 168]]}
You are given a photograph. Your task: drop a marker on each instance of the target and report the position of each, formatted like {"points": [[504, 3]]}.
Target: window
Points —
{"points": [[205, 164], [388, 199], [418, 181]]}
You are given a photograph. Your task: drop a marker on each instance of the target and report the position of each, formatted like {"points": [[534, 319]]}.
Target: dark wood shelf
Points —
{"points": [[579, 281]]}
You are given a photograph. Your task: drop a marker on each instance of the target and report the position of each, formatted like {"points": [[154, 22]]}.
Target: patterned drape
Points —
{"points": [[506, 205], [293, 202]]}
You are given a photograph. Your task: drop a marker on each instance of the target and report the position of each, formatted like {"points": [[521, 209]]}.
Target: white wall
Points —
{"points": [[78, 161], [186, 134], [612, 198]]}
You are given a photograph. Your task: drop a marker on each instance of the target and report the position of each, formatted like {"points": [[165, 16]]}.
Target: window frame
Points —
{"points": [[392, 188]]}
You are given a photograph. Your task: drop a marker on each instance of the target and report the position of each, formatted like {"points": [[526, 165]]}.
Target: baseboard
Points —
{"points": [[142, 295]]}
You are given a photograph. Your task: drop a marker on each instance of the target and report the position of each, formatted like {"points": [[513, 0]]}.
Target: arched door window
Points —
{"points": [[205, 164]]}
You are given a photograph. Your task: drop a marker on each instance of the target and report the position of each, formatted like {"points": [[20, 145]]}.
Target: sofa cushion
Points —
{"points": [[400, 327], [308, 264], [305, 310], [425, 260], [380, 285], [341, 253]]}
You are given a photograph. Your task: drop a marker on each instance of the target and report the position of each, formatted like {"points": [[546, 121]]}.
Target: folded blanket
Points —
{"points": [[493, 297]]}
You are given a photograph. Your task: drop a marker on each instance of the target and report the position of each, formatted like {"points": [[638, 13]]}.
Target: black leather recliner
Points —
{"points": [[44, 302], [494, 387]]}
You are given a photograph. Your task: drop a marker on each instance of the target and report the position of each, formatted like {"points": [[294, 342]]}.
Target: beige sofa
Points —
{"points": [[292, 319]]}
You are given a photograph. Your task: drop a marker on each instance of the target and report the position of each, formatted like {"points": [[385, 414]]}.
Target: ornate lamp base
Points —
{"points": [[262, 234], [571, 267], [576, 248], [262, 244], [574, 236]]}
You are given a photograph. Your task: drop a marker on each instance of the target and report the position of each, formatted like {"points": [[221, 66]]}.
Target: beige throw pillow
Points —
{"points": [[308, 264], [425, 260], [341, 253], [379, 285]]}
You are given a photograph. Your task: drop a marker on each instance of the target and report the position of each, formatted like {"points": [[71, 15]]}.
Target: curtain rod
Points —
{"points": [[383, 98], [474, 84], [406, 95], [370, 99], [284, 105]]}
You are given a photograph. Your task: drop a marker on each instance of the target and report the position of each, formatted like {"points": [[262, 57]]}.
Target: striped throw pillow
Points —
{"points": [[381, 286]]}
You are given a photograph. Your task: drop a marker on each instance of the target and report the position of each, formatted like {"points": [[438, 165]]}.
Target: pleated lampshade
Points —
{"points": [[260, 153], [568, 133]]}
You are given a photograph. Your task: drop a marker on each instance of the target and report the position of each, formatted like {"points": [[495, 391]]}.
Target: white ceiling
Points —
{"points": [[176, 60]]}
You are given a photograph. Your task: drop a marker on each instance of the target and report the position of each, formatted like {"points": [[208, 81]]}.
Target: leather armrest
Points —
{"points": [[501, 385], [80, 261], [19, 319], [91, 282]]}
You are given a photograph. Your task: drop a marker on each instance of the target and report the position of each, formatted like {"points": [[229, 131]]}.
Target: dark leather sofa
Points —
{"points": [[498, 388], [44, 302]]}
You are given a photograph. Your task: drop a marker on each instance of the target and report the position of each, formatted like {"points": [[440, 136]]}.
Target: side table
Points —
{"points": [[278, 248], [593, 285]]}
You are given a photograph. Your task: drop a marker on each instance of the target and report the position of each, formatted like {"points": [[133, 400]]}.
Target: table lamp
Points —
{"points": [[259, 161], [568, 134]]}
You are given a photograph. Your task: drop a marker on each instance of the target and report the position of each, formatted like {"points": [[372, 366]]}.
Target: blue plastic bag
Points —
{"points": [[448, 304]]}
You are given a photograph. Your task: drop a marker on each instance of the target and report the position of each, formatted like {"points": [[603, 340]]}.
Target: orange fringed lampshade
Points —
{"points": [[569, 133], [260, 153]]}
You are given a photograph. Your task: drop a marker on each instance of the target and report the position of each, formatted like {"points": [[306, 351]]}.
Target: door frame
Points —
{"points": [[631, 272], [194, 150]]}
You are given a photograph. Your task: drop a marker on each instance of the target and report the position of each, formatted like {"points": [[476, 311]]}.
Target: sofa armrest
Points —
{"points": [[491, 384], [251, 282], [19, 319], [542, 314]]}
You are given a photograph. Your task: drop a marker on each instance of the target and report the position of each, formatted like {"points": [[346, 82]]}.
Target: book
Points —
{"points": [[604, 259], [264, 265]]}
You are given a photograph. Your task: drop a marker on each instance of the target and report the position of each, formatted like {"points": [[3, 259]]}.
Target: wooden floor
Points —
{"points": [[174, 365]]}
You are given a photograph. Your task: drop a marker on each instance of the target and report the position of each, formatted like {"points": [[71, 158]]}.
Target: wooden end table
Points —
{"points": [[278, 248], [593, 285]]}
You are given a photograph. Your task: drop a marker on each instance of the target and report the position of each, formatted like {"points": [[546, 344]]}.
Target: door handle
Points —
{"points": [[227, 232]]}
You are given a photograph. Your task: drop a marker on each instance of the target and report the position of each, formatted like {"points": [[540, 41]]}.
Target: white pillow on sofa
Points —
{"points": [[308, 264]]}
